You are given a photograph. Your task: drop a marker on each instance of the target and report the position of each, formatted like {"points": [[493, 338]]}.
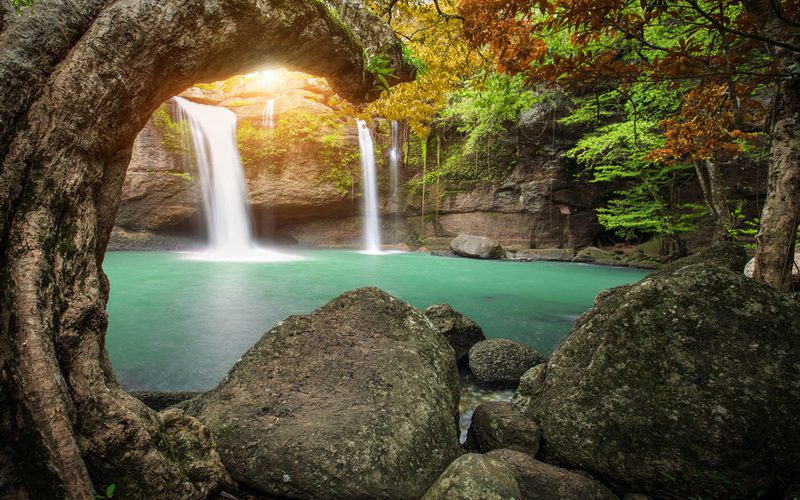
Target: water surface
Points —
{"points": [[177, 324]]}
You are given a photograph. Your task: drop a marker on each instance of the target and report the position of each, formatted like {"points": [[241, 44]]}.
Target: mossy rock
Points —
{"points": [[687, 384]]}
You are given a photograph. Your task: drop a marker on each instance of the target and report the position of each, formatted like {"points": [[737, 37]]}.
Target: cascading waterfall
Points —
{"points": [[394, 176], [372, 235], [268, 115], [213, 131]]}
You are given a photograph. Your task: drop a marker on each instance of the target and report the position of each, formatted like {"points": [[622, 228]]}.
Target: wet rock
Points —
{"points": [[474, 476], [477, 247], [594, 255], [562, 254], [541, 481], [685, 384], [460, 331], [356, 400], [501, 362], [497, 425]]}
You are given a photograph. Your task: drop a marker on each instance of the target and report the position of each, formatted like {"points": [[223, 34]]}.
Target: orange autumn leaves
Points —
{"points": [[707, 127]]}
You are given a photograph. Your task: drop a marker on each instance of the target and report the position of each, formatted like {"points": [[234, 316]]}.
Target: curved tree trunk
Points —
{"points": [[81, 77]]}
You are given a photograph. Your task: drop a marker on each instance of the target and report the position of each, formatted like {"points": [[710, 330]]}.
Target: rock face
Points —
{"points": [[538, 203], [477, 247], [460, 331], [356, 400], [687, 383], [496, 425], [159, 195], [474, 476], [501, 362], [541, 481]]}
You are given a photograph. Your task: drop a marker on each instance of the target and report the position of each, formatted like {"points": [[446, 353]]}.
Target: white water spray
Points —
{"points": [[213, 131], [268, 115], [372, 231]]}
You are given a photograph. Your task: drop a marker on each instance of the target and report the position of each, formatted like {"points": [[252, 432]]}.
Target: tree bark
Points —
{"points": [[81, 77], [781, 214], [779, 218], [719, 200]]}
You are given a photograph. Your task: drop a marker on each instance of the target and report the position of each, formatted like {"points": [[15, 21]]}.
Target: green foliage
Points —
{"points": [[742, 227], [20, 5], [412, 59], [342, 160], [258, 149], [619, 152], [380, 67], [108, 494], [484, 107], [482, 150], [175, 136]]}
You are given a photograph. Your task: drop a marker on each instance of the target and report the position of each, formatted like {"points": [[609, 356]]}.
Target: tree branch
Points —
{"points": [[444, 14], [732, 31]]}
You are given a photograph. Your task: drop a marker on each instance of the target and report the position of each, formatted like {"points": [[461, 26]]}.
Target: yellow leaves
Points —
{"points": [[440, 45]]}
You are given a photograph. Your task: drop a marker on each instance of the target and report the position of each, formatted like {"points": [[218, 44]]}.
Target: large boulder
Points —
{"points": [[496, 425], [477, 247], [687, 383], [540, 481], [507, 474], [461, 332], [474, 476], [356, 400], [501, 362]]}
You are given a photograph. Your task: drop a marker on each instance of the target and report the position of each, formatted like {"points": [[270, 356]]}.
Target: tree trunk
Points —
{"points": [[719, 200], [701, 179], [779, 219], [81, 77]]}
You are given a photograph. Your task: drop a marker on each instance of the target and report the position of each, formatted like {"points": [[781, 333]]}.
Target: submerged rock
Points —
{"points": [[474, 476], [477, 247], [687, 383], [501, 362], [356, 400], [497, 425], [460, 331]]}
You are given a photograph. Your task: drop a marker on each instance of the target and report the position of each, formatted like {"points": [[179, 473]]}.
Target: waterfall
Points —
{"points": [[213, 131], [268, 115], [394, 177], [372, 235]]}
